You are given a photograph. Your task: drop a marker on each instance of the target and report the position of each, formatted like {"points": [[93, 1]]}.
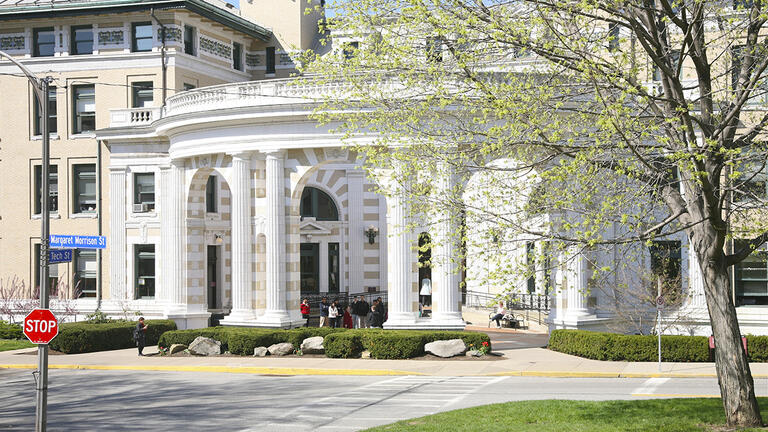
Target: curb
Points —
{"points": [[566, 374], [227, 369]]}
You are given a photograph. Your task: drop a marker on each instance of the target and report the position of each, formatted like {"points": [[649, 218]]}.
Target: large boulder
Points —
{"points": [[446, 348], [176, 348], [205, 346], [280, 349], [313, 345], [260, 351]]}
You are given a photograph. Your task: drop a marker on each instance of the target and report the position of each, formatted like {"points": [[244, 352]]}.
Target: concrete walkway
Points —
{"points": [[521, 352]]}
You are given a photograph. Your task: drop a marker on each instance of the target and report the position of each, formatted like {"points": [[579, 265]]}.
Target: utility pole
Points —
{"points": [[40, 86]]}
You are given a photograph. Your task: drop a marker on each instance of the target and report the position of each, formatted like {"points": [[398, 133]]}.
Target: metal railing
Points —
{"points": [[513, 301]]}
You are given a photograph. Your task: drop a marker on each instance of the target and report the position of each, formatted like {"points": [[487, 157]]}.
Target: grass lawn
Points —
{"points": [[652, 415], [13, 344]]}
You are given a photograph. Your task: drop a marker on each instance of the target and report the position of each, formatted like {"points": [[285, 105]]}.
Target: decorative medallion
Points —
{"points": [[110, 37], [12, 43], [252, 60], [172, 34], [216, 48]]}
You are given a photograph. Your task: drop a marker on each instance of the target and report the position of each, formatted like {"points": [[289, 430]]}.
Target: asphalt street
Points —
{"points": [[92, 400]]}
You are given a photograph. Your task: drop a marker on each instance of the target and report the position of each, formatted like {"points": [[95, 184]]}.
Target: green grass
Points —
{"points": [[14, 344], [653, 415]]}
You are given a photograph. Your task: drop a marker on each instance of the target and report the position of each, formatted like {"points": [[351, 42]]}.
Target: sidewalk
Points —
{"points": [[521, 357]]}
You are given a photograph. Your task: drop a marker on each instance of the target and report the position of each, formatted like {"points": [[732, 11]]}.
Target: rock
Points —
{"points": [[473, 353], [446, 348], [365, 354], [313, 345], [260, 352], [281, 349], [205, 346], [176, 348]]}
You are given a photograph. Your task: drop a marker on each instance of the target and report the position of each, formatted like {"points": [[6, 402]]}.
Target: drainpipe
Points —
{"points": [[98, 223], [162, 54]]}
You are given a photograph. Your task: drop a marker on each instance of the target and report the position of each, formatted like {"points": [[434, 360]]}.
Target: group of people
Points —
{"points": [[358, 314]]}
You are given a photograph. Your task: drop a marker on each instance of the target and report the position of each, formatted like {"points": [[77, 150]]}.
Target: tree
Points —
{"points": [[584, 123]]}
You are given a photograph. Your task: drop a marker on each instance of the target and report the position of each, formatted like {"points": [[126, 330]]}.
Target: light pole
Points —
{"points": [[40, 86]]}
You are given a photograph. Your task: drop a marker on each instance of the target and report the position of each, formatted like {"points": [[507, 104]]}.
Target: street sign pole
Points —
{"points": [[41, 389]]}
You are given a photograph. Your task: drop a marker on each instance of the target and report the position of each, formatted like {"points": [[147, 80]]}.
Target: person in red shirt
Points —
{"points": [[348, 322], [305, 311]]}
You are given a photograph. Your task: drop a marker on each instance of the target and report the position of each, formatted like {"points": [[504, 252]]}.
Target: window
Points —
{"points": [[142, 37], [751, 277], [237, 56], [81, 40], [666, 268], [144, 192], [85, 272], [333, 267], [613, 37], [142, 94], [316, 203], [45, 42], [144, 260], [434, 49], [210, 195], [84, 188], [188, 87], [53, 273], [270, 60], [84, 104], [53, 189], [189, 40], [349, 49], [51, 113]]}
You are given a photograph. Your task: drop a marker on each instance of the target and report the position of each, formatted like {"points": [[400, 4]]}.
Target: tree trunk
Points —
{"points": [[737, 388]]}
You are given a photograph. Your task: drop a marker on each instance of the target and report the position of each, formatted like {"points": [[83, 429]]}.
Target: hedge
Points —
{"points": [[611, 346], [83, 337], [10, 331], [338, 343]]}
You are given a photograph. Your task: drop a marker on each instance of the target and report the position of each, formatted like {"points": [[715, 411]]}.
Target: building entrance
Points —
{"points": [[212, 266], [310, 268]]}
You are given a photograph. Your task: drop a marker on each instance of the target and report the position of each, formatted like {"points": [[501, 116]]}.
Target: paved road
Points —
{"points": [[91, 400]]}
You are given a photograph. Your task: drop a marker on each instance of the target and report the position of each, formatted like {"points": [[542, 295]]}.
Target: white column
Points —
{"points": [[577, 278], [696, 296], [173, 231], [242, 290], [167, 252], [355, 201], [445, 274], [275, 315], [117, 246], [323, 266], [399, 295]]}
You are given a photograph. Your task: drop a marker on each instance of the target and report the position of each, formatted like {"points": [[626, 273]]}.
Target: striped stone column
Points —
{"points": [[117, 246]]}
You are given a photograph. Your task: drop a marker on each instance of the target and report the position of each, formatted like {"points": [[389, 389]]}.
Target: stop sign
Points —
{"points": [[40, 326]]}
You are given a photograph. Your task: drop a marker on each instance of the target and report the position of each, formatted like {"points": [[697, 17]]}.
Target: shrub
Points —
{"points": [[85, 337], [297, 336], [243, 341], [757, 346], [388, 344], [185, 337], [10, 331], [618, 347], [345, 344]]}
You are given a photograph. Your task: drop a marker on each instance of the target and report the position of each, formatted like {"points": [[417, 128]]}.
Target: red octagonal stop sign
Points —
{"points": [[40, 326]]}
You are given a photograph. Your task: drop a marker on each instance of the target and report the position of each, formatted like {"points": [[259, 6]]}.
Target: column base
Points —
{"points": [[400, 320], [278, 319], [240, 318], [186, 319]]}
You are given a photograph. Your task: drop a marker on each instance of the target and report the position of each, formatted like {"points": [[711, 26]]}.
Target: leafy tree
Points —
{"points": [[584, 123]]}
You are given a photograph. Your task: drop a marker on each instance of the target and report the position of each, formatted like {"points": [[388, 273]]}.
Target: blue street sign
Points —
{"points": [[78, 242], [56, 256]]}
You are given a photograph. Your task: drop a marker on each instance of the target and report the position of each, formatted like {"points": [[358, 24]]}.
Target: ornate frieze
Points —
{"points": [[172, 34], [252, 60], [110, 37], [12, 43], [215, 48]]}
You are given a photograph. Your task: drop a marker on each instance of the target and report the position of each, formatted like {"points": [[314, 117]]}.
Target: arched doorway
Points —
{"points": [[319, 263]]}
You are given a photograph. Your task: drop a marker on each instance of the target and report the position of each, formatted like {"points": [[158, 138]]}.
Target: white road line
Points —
{"points": [[463, 395], [650, 385]]}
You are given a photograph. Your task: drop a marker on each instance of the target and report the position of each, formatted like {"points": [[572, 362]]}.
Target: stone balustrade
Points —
{"points": [[133, 116]]}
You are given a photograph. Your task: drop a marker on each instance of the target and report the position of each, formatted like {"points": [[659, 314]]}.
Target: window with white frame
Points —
{"points": [[84, 107], [53, 189], [210, 195], [144, 262], [143, 192], [81, 40], [189, 40], [84, 188], [142, 94], [85, 272], [141, 37], [52, 117], [44, 40]]}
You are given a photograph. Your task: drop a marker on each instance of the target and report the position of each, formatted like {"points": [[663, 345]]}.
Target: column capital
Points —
{"points": [[274, 153], [118, 169], [352, 172], [242, 155], [178, 163]]}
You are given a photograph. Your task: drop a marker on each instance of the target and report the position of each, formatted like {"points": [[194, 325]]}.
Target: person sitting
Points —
{"points": [[499, 313]]}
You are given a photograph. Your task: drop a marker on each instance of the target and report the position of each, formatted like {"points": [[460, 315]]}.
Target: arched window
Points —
{"points": [[316, 203]]}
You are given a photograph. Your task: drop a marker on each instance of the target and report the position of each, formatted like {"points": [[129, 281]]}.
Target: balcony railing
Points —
{"points": [[133, 116]]}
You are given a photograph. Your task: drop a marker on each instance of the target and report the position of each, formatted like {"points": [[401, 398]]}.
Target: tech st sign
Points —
{"points": [[41, 326]]}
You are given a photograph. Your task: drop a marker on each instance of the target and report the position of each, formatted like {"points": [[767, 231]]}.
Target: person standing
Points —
{"points": [[304, 308], [382, 309], [347, 319], [354, 311], [324, 313], [333, 313], [363, 310], [140, 335]]}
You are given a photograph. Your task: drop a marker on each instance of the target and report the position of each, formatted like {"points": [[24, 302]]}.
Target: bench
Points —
{"points": [[508, 320]]}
